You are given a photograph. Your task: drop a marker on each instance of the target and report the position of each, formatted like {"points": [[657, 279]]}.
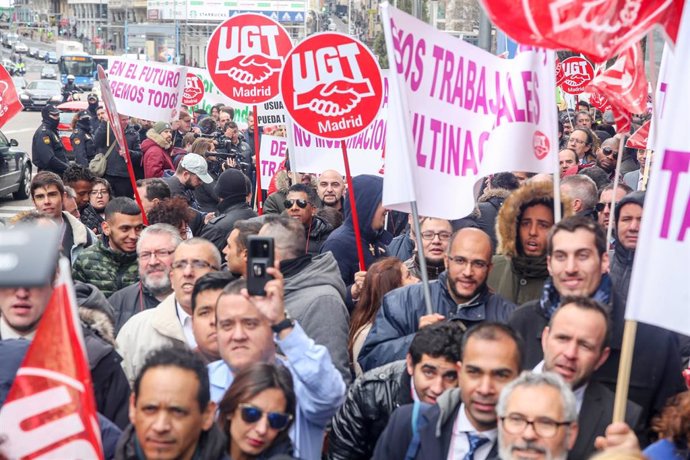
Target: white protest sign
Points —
{"points": [[467, 114], [147, 90], [667, 66], [273, 153], [659, 286]]}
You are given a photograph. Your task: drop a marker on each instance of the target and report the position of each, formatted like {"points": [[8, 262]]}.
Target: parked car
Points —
{"points": [[51, 57], [33, 52], [16, 166], [9, 65], [41, 54], [38, 93], [19, 83], [20, 47], [67, 112], [48, 72]]}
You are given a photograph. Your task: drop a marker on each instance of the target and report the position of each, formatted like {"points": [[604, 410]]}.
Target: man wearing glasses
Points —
{"points": [[607, 156], [436, 234], [170, 323], [459, 294]]}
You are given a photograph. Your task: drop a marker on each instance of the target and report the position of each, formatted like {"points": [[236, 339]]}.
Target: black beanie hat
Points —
{"points": [[232, 186]]}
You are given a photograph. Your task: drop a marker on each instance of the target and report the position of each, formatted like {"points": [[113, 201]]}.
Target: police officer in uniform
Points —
{"points": [[82, 140], [47, 151]]}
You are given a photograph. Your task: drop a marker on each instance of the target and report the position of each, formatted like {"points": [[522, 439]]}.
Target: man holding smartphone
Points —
{"points": [[249, 328]]}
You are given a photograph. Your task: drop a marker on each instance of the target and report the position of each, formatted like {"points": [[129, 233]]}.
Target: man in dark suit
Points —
{"points": [[575, 344]]}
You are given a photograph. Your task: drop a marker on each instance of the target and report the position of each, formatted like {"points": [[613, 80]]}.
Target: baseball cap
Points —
{"points": [[196, 164]]}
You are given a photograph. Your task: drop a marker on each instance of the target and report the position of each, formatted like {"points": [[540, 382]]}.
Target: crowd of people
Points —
{"points": [[518, 359]]}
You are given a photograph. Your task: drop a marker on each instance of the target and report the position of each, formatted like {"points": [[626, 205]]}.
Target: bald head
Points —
{"points": [[330, 188], [468, 263]]}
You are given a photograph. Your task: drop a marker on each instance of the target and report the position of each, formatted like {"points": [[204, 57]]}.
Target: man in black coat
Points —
{"points": [[116, 172], [428, 370], [459, 294]]}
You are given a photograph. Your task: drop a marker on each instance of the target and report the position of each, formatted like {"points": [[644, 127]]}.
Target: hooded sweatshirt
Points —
{"points": [[368, 192], [156, 151], [622, 259]]}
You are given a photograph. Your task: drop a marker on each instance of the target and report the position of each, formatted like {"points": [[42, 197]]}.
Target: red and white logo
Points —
{"points": [[9, 101], [574, 74], [331, 85], [244, 57], [540, 144], [193, 90]]}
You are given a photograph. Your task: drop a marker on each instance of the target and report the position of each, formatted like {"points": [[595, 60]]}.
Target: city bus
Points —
{"points": [[78, 64]]}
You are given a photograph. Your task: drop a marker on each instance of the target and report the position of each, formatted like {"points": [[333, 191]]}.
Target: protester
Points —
{"points": [[152, 192], [155, 250], [538, 414], [519, 268], [81, 180], [206, 291], [497, 189], [567, 159], [585, 144], [583, 119], [116, 172], [459, 294], [93, 215], [607, 156], [628, 221], [170, 323], [331, 188], [634, 179], [206, 194], [157, 149], [301, 203], [170, 411], [112, 266], [436, 234], [257, 411], [69, 202], [190, 173], [249, 328], [183, 126], [236, 249], [175, 212], [462, 423], [382, 277], [603, 207], [428, 370], [582, 191], [672, 426]]}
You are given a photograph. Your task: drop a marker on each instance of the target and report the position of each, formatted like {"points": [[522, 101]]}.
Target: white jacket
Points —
{"points": [[147, 331]]}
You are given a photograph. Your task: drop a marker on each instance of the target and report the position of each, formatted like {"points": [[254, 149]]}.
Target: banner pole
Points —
{"points": [[422, 259], [133, 181], [619, 161], [353, 208], [257, 146], [624, 367]]}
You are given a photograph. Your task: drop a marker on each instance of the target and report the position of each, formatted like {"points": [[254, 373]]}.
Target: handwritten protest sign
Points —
{"points": [[147, 90], [465, 114], [274, 151]]}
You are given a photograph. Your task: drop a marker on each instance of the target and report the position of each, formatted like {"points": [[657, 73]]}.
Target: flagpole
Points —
{"points": [[619, 161], [422, 259], [624, 366]]}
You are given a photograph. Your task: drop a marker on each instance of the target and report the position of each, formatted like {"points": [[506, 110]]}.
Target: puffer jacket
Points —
{"points": [[370, 402], [488, 205], [90, 217], [317, 233], [514, 275], [105, 268], [156, 151], [397, 320], [212, 445]]}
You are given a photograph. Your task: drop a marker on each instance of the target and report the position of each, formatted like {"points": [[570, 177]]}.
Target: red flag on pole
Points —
{"points": [[50, 411], [639, 138], [9, 101]]}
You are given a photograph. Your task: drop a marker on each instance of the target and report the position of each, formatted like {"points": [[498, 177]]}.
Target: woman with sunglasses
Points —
{"points": [[257, 411]]}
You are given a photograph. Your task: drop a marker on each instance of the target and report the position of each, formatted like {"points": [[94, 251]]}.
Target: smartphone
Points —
{"points": [[260, 256]]}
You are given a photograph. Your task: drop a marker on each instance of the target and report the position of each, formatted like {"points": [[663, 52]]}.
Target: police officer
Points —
{"points": [[92, 99], [82, 139], [47, 152], [69, 88]]}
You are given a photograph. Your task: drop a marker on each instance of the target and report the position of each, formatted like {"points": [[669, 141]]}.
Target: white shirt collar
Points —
{"points": [[579, 393], [7, 332], [186, 322]]}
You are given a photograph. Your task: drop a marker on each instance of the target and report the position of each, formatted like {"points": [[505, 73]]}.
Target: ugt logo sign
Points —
{"points": [[332, 85], [245, 55]]}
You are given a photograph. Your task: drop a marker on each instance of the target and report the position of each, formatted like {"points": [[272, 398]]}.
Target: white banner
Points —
{"points": [[465, 114], [147, 90], [665, 70], [660, 282], [273, 153]]}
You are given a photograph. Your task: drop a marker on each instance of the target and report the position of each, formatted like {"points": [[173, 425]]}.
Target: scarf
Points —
{"points": [[529, 267], [551, 299]]}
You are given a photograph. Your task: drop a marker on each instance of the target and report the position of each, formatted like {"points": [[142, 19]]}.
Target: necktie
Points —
{"points": [[475, 442]]}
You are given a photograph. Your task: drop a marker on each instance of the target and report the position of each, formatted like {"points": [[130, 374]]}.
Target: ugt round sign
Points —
{"points": [[574, 74], [331, 85], [244, 56]]}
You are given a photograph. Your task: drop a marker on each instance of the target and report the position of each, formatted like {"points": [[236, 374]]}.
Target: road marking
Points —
{"points": [[17, 131]]}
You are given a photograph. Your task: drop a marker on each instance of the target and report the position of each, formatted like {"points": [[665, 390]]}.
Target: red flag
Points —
{"points": [[50, 411], [598, 101], [622, 119], [9, 101], [639, 138], [600, 29]]}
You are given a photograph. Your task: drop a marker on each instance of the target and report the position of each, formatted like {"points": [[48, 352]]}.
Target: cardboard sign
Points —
{"points": [[147, 90], [573, 74], [244, 57], [331, 85], [193, 90]]}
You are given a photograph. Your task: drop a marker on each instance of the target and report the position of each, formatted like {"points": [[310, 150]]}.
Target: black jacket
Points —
{"points": [[116, 165], [317, 233], [435, 426], [83, 146], [489, 204], [129, 301], [90, 217], [370, 402], [212, 445], [178, 189], [218, 228], [47, 151], [397, 320]]}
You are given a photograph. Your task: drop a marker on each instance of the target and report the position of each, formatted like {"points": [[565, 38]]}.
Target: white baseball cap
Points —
{"points": [[196, 164]]}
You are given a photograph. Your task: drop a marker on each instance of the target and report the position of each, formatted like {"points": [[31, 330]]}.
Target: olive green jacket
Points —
{"points": [[105, 268]]}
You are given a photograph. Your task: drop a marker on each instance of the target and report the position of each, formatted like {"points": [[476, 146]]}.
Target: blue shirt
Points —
{"points": [[319, 388]]}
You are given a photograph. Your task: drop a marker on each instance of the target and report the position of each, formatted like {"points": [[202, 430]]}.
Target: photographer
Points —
{"points": [[205, 194]]}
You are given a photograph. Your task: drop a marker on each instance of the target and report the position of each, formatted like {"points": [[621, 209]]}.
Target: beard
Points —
{"points": [[507, 453], [157, 286], [459, 296]]}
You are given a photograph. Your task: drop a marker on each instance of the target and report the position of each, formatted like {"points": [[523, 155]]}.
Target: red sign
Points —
{"points": [[573, 74], [331, 85], [600, 29], [193, 90], [9, 101], [244, 57], [50, 410]]}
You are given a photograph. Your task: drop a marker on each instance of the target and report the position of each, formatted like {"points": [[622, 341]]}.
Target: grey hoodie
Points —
{"points": [[315, 297]]}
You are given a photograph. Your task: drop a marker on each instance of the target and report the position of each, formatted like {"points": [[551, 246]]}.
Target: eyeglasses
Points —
{"points": [[195, 263], [429, 235], [542, 426], [608, 151], [478, 265], [99, 192], [159, 253], [601, 206], [290, 203], [276, 420], [576, 141]]}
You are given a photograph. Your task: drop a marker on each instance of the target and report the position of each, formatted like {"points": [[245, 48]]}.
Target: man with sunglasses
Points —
{"points": [[607, 156], [603, 207], [300, 204], [459, 294], [170, 323]]}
